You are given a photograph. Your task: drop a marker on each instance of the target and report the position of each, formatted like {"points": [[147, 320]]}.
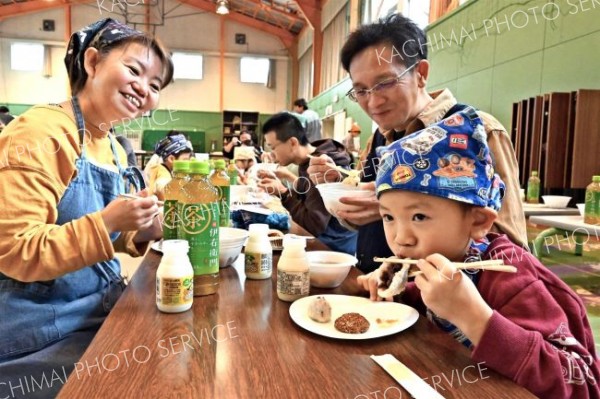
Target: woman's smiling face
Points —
{"points": [[125, 83]]}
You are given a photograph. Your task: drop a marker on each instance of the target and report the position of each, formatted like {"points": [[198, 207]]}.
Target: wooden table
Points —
{"points": [[562, 226], [241, 343]]}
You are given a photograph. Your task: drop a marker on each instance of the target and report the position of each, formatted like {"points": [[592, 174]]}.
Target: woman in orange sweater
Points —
{"points": [[61, 218]]}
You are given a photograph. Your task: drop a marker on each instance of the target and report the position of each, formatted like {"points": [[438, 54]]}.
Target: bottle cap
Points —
{"points": [[175, 246], [534, 173], [259, 229], [199, 167], [181, 166], [596, 179], [220, 164], [294, 241]]}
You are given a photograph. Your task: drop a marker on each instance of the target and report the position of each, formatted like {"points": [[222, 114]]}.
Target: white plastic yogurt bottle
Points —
{"points": [[174, 278], [258, 262], [293, 269]]}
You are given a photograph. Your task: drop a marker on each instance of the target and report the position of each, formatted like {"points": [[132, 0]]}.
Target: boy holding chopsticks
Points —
{"points": [[439, 197]]}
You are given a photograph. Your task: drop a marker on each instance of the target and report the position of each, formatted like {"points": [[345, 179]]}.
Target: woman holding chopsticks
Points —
{"points": [[61, 220], [438, 205]]}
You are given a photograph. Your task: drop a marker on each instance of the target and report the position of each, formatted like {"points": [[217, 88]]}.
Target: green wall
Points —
{"points": [[211, 123], [491, 64], [353, 110], [543, 48]]}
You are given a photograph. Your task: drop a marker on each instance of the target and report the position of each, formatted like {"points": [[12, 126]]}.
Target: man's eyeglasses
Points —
{"points": [[387, 84]]}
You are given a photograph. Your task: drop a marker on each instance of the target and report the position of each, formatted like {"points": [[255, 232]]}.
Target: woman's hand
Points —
{"points": [[124, 214], [452, 295], [369, 207]]}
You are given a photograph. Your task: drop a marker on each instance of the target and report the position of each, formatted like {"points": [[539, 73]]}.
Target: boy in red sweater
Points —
{"points": [[439, 197]]}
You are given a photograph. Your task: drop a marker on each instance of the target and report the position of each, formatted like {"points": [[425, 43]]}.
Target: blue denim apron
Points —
{"points": [[46, 326]]}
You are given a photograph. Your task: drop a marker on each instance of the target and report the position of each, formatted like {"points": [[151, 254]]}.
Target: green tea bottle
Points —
{"points": [[232, 172], [533, 188], [591, 215], [198, 212], [172, 196], [220, 180]]}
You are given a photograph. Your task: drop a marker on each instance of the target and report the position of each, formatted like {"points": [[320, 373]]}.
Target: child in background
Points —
{"points": [[244, 161], [439, 197], [171, 148]]}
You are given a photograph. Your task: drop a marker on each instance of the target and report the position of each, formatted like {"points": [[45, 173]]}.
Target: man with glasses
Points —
{"points": [[387, 63]]}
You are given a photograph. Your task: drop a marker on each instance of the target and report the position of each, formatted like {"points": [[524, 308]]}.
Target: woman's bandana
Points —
{"points": [[449, 159], [98, 35], [172, 145]]}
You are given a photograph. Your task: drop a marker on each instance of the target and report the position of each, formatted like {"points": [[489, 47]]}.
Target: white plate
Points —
{"points": [[404, 316], [157, 246]]}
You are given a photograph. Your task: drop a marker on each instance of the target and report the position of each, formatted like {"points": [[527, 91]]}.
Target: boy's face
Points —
{"points": [[418, 225]]}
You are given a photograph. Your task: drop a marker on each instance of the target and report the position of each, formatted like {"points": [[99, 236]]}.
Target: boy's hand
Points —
{"points": [[370, 282], [452, 295]]}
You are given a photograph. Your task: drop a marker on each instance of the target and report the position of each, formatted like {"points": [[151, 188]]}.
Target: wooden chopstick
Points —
{"points": [[492, 265], [133, 196], [348, 172]]}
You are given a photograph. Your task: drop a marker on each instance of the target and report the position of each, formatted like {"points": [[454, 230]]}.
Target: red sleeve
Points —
{"points": [[541, 345]]}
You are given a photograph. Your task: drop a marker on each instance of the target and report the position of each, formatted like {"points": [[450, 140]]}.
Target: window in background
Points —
{"points": [[254, 70], [187, 66], [26, 56], [418, 11]]}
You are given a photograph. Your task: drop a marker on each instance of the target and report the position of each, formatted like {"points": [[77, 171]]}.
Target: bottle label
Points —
{"points": [[258, 263], [592, 207], [533, 192], [170, 220], [174, 291], [224, 204], [199, 225], [293, 283]]}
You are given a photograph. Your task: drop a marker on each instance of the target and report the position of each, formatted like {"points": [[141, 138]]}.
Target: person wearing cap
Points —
{"points": [[388, 67], [169, 149], [439, 195], [349, 139], [244, 160], [61, 215]]}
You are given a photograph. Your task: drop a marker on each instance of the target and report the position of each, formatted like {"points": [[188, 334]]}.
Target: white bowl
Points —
{"points": [[332, 192], [328, 268], [556, 201], [231, 242], [267, 166], [581, 208]]}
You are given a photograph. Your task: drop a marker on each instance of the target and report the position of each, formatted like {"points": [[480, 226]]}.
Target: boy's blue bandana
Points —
{"points": [[172, 145], [449, 159]]}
